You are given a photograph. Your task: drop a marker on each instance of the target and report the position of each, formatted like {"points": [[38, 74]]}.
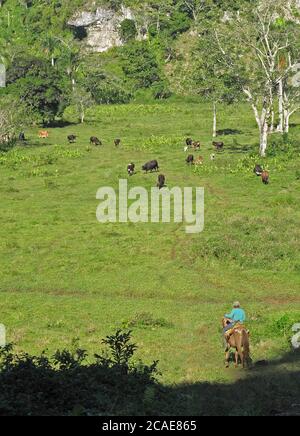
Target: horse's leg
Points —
{"points": [[239, 349], [236, 359], [227, 356]]}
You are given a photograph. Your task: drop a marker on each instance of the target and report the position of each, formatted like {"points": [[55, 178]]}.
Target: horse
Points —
{"points": [[238, 340]]}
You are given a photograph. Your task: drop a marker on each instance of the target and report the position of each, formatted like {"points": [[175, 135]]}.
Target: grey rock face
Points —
{"points": [[102, 27]]}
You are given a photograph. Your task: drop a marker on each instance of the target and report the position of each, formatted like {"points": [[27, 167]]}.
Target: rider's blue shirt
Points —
{"points": [[237, 315]]}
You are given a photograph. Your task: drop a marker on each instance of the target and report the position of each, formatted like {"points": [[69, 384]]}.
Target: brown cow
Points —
{"points": [[95, 141], [43, 134], [265, 177], [199, 160], [196, 145], [219, 145]]}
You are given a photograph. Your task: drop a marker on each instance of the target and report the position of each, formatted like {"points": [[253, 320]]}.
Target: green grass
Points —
{"points": [[64, 275]]}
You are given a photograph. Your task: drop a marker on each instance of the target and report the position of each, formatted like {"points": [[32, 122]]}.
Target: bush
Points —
{"points": [[140, 65], [128, 31], [161, 91], [106, 90], [65, 385], [145, 320]]}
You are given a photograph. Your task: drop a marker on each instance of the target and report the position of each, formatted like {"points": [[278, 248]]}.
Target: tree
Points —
{"points": [[193, 7], [82, 99], [13, 117], [140, 65], [211, 80], [44, 91], [251, 46]]}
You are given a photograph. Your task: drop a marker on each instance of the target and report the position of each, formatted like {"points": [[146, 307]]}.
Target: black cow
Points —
{"points": [[190, 159], [117, 142], [22, 137], [258, 170], [130, 169], [219, 145], [72, 138], [189, 142], [150, 166], [161, 181], [95, 141]]}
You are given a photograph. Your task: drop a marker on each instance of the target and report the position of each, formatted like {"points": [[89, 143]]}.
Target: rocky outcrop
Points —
{"points": [[102, 27]]}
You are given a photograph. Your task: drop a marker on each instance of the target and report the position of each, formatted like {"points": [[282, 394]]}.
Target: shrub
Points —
{"points": [[140, 65], [128, 30], [145, 320], [161, 91], [107, 90], [66, 385]]}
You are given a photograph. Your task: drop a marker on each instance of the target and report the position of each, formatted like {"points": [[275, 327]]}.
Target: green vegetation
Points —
{"points": [[64, 275]]}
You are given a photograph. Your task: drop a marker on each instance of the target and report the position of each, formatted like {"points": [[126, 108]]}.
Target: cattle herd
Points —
{"points": [[153, 164]]}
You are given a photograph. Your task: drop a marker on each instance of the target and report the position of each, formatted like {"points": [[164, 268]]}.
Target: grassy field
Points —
{"points": [[63, 275]]}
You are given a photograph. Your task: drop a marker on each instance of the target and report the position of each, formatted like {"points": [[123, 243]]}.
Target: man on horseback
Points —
{"points": [[237, 315], [235, 334]]}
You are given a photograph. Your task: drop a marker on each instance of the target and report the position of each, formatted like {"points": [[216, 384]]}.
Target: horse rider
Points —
{"points": [[237, 316]]}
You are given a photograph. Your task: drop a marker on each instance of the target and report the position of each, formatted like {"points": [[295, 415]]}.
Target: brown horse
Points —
{"points": [[238, 340]]}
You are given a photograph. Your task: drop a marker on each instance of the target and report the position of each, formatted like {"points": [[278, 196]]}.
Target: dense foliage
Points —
{"points": [[36, 33], [66, 385]]}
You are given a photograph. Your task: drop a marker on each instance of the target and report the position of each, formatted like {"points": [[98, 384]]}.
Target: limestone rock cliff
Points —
{"points": [[102, 27]]}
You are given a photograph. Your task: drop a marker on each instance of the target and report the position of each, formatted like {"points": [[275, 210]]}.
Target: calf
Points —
{"points": [[196, 145], [189, 142], [212, 157], [117, 142], [265, 177], [190, 159], [43, 134], [22, 137], [150, 166], [95, 141], [199, 160], [219, 145], [130, 169], [258, 170], [72, 138], [161, 181]]}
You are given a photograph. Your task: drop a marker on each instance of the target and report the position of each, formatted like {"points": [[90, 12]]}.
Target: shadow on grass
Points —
{"points": [[226, 132], [272, 389], [64, 385], [60, 124], [237, 148]]}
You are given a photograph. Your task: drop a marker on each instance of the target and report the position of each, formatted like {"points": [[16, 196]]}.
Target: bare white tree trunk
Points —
{"points": [[262, 121], [280, 106], [263, 138], [215, 120], [82, 114]]}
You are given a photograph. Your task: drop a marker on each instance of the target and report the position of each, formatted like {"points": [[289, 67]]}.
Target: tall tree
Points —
{"points": [[251, 46]]}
